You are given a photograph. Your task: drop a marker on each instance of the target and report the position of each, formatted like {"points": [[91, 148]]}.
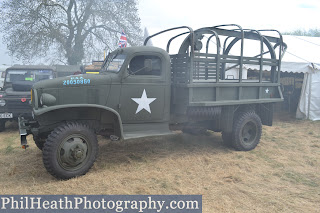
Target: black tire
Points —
{"points": [[39, 142], [70, 150], [246, 132], [227, 139], [2, 125]]}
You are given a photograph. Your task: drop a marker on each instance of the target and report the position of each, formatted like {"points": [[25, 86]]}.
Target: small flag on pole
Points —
{"points": [[122, 40]]}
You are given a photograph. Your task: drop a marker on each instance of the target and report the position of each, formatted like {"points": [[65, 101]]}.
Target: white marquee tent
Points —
{"points": [[303, 56]]}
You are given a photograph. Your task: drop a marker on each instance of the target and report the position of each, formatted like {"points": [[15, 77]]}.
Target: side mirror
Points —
{"points": [[148, 65]]}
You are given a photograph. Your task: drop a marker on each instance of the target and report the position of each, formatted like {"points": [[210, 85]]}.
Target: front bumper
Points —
{"points": [[14, 108], [23, 130], [25, 126]]}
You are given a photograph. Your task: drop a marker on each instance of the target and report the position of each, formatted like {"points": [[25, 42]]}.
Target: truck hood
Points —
{"points": [[75, 89]]}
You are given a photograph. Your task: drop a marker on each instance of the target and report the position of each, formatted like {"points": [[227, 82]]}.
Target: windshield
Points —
{"points": [[28, 75], [114, 63]]}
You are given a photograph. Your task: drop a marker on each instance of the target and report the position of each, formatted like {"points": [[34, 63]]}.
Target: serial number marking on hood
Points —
{"points": [[76, 80]]}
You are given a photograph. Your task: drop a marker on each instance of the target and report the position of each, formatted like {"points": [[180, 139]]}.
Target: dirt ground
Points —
{"points": [[280, 175]]}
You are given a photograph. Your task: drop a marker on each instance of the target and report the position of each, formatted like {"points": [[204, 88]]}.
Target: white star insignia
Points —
{"points": [[267, 90], [143, 102]]}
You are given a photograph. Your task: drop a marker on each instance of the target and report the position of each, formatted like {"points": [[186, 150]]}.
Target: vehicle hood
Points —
{"points": [[75, 89]]}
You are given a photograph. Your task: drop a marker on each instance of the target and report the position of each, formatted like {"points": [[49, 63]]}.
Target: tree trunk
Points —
{"points": [[76, 54]]}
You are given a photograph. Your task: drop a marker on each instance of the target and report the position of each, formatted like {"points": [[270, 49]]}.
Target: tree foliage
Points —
{"points": [[68, 30], [300, 32]]}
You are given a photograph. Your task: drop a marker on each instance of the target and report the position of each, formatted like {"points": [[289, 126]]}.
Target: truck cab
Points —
{"points": [[145, 91]]}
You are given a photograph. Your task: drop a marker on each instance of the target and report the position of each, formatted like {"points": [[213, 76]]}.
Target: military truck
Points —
{"points": [[146, 91], [18, 80], [15, 94]]}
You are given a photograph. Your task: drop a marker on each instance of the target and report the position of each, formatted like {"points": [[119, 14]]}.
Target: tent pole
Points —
{"points": [[309, 98]]}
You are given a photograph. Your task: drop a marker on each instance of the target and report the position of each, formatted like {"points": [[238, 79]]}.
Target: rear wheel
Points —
{"points": [[247, 130], [70, 150]]}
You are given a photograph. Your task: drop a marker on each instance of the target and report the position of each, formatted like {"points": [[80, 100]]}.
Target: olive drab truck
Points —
{"points": [[15, 94], [210, 83]]}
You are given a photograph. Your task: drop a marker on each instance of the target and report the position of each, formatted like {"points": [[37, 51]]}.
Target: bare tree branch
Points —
{"points": [[73, 29]]}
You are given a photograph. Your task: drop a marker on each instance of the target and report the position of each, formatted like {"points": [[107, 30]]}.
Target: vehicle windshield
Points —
{"points": [[28, 75], [114, 63]]}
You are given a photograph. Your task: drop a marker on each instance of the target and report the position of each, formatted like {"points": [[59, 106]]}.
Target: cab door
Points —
{"points": [[145, 92]]}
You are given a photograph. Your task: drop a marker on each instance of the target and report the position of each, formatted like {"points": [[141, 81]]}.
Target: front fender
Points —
{"points": [[49, 117]]}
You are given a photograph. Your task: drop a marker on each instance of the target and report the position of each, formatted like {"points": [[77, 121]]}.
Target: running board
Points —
{"points": [[145, 130]]}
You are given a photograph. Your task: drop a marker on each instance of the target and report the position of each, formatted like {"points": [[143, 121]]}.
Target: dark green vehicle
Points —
{"points": [[145, 91], [15, 94], [18, 80]]}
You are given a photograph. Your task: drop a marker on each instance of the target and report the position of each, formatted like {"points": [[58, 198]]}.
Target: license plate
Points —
{"points": [[6, 115]]}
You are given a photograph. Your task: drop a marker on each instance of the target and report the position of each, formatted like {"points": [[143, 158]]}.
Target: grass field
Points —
{"points": [[281, 175]]}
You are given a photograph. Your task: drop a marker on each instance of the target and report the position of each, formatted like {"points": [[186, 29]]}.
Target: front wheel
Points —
{"points": [[70, 150], [39, 141], [247, 130]]}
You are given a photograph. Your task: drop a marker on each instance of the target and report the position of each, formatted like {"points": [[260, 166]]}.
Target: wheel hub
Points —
{"points": [[249, 132], [77, 154], [73, 152]]}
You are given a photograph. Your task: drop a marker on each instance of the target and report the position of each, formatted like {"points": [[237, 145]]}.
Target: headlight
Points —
{"points": [[2, 102], [47, 99]]}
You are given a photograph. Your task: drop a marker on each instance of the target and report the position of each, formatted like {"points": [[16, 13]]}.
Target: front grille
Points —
{"points": [[16, 105]]}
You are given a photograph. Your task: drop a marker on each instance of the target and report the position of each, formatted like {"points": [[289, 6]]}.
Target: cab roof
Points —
{"points": [[30, 67]]}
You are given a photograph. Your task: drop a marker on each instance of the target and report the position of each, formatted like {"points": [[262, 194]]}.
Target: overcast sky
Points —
{"points": [[283, 15]]}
